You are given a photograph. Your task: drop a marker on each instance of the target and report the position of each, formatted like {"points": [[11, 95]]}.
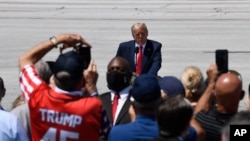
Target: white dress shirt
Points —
{"points": [[123, 97]]}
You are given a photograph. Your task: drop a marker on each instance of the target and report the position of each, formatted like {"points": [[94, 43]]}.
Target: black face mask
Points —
{"points": [[117, 80]]}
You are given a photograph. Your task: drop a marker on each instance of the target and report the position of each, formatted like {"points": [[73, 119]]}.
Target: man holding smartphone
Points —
{"points": [[226, 91]]}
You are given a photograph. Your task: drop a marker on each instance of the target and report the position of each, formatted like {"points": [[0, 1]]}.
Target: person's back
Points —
{"points": [[61, 113], [173, 118], [11, 128], [227, 92], [171, 86], [147, 96], [20, 107], [65, 118]]}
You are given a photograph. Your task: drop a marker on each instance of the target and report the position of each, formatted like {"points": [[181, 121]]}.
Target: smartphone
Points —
{"points": [[221, 58], [85, 53], [249, 89]]}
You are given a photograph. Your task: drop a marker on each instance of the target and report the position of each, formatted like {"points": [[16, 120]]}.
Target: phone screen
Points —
{"points": [[221, 57], [85, 53], [249, 89]]}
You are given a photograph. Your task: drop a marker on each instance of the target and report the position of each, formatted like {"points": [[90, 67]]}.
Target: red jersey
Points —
{"points": [[58, 116]]}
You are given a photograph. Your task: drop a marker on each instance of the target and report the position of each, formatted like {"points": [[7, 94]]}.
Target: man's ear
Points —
{"points": [[242, 94]]}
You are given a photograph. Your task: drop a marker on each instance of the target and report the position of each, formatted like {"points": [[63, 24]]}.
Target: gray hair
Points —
{"points": [[139, 25], [44, 70]]}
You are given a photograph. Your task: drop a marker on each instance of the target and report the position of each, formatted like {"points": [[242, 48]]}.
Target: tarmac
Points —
{"points": [[189, 30]]}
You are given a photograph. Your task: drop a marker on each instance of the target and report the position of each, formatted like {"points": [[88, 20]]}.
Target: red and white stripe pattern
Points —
{"points": [[29, 80]]}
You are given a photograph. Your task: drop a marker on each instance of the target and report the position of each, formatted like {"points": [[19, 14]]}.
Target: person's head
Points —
{"points": [[174, 115], [118, 74], [44, 70], [194, 83], [68, 71], [241, 118], [171, 86], [2, 89], [139, 33], [146, 93], [228, 91]]}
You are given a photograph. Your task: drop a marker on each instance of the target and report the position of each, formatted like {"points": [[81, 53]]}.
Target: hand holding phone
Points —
{"points": [[85, 53]]}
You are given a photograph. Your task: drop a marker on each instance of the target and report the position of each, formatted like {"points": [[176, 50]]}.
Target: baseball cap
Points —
{"points": [[146, 89], [70, 62], [172, 86]]}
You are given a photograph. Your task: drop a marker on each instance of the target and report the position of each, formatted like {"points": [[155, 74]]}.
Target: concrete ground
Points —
{"points": [[190, 31]]}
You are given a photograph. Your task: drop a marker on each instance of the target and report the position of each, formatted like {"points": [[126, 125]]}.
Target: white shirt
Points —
{"points": [[123, 97], [11, 129]]}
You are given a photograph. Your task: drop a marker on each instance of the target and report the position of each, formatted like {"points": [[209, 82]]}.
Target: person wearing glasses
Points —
{"points": [[219, 103], [143, 54]]}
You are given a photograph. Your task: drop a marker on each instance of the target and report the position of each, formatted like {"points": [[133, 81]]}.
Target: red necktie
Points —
{"points": [[139, 61], [114, 105]]}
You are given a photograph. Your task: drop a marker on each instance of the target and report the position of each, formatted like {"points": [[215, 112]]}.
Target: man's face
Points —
{"points": [[140, 35], [118, 66]]}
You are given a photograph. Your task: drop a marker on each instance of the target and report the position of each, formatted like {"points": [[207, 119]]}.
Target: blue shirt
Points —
{"points": [[144, 127], [11, 128]]}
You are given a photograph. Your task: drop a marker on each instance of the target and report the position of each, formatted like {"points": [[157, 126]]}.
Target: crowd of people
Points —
{"points": [[59, 100]]}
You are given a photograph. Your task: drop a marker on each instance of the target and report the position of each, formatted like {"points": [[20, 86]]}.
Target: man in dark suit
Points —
{"points": [[151, 51], [146, 93], [118, 78]]}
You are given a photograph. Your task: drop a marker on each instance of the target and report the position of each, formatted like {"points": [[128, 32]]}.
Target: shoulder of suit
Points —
{"points": [[153, 41]]}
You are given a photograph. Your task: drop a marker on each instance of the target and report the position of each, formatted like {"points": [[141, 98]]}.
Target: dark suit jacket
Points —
{"points": [[123, 116], [151, 62]]}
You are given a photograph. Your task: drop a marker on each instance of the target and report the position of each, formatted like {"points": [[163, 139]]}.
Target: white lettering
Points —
{"points": [[60, 118], [64, 135], [43, 114], [240, 132], [237, 132], [50, 116], [52, 134], [243, 131], [68, 119]]}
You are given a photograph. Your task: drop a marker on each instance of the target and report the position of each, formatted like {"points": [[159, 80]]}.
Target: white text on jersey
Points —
{"points": [[60, 117]]}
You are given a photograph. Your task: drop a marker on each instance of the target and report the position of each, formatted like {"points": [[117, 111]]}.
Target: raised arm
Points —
{"points": [[39, 50], [205, 101]]}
